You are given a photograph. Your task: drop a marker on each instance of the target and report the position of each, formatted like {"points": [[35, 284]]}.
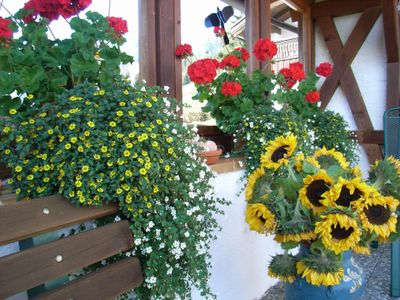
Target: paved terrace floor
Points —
{"points": [[377, 274]]}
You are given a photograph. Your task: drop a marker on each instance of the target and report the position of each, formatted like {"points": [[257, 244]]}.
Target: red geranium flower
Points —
{"points": [[219, 31], [264, 48], [244, 52], [288, 77], [203, 70], [312, 97], [231, 88], [183, 51], [297, 71], [5, 31], [119, 25], [230, 61], [324, 69]]}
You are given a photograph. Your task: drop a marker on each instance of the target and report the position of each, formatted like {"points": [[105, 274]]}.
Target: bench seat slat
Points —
{"points": [[29, 268], [118, 278], [25, 219]]}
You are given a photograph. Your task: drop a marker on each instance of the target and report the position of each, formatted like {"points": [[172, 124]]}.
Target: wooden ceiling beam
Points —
{"points": [[338, 8], [299, 5]]}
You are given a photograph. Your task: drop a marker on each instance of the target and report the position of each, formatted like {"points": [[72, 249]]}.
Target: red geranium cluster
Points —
{"points": [[230, 61], [324, 69], [231, 88], [5, 31], [119, 25], [203, 70], [53, 9], [244, 52], [183, 51], [313, 97], [265, 49], [294, 73]]}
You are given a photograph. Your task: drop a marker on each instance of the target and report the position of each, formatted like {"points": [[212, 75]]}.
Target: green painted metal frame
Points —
{"points": [[395, 247]]}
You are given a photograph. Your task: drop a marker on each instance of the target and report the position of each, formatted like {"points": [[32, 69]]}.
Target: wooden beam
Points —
{"points": [[159, 34], [147, 41], [299, 5], [391, 31], [307, 40], [338, 8], [258, 25], [369, 136], [345, 56]]}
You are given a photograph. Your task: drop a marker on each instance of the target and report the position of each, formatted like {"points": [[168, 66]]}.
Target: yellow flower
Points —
{"points": [[127, 153], [158, 121], [317, 278], [126, 92], [313, 190], [19, 138], [139, 100], [7, 151], [112, 124], [260, 218], [131, 113], [50, 131], [154, 98], [30, 177], [91, 125], [18, 169], [122, 103], [31, 121], [251, 181], [128, 173], [101, 92], [73, 140], [119, 191], [72, 126], [81, 149], [120, 113], [85, 168], [142, 171], [12, 111], [6, 129], [148, 104], [295, 237], [29, 96], [338, 232], [67, 146], [170, 150], [149, 205], [278, 151], [328, 157], [78, 183], [46, 167], [104, 149], [18, 191], [378, 214]]}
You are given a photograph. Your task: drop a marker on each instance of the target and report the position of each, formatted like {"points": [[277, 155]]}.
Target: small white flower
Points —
{"points": [[151, 224], [169, 271], [162, 246], [241, 163], [166, 88], [186, 234], [128, 254], [202, 234], [174, 131], [138, 242], [117, 219], [103, 262], [143, 89]]}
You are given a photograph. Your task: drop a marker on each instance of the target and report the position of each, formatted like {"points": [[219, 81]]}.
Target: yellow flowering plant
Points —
{"points": [[322, 202], [123, 145]]}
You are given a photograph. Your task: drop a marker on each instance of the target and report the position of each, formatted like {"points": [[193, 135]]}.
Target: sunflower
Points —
{"points": [[346, 191], [278, 151], [386, 176], [310, 194], [260, 218], [327, 157], [283, 267], [322, 270], [306, 164], [251, 181], [378, 214], [338, 232], [361, 249], [295, 230]]}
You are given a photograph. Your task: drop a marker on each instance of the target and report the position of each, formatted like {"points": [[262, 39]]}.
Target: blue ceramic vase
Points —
{"points": [[350, 288]]}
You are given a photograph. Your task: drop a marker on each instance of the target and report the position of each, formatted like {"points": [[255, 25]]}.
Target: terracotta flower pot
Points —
{"points": [[211, 157]]}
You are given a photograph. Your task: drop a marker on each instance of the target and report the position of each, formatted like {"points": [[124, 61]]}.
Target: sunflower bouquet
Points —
{"points": [[322, 203]]}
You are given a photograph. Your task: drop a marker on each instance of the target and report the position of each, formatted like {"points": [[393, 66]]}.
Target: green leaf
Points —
{"points": [[30, 78], [7, 83], [80, 66], [289, 245]]}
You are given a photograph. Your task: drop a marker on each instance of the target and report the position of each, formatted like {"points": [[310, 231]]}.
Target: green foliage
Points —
{"points": [[44, 66], [123, 145]]}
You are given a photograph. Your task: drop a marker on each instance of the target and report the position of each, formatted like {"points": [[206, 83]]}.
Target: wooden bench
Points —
{"points": [[29, 268]]}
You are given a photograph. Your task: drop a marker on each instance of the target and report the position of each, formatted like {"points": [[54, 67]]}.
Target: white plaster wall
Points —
{"points": [[369, 67], [239, 256]]}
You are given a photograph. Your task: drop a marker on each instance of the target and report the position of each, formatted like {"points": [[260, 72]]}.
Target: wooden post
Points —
{"points": [[159, 34]]}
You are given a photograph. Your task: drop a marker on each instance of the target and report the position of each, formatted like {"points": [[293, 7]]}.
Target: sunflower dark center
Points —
{"points": [[345, 198], [314, 191], [279, 153], [262, 219], [377, 214], [341, 233]]}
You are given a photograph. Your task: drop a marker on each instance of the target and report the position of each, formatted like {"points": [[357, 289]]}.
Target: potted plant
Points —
{"points": [[94, 137], [209, 151], [322, 204]]}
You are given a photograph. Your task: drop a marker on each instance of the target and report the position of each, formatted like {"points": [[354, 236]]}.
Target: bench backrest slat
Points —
{"points": [[119, 277], [19, 271], [25, 219]]}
